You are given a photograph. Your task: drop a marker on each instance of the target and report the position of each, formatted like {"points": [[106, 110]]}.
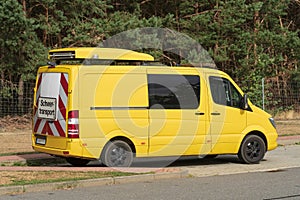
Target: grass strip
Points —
{"points": [[13, 178]]}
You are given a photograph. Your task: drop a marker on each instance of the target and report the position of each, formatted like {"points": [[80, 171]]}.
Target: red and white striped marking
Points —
{"points": [[57, 127]]}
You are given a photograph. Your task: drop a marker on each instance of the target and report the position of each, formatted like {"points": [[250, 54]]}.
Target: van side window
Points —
{"points": [[224, 93], [168, 91]]}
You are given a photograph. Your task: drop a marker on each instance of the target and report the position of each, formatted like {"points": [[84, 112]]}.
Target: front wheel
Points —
{"points": [[117, 154], [252, 149]]}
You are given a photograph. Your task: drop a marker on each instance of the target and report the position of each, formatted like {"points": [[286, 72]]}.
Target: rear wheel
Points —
{"points": [[78, 162], [117, 154], [252, 149]]}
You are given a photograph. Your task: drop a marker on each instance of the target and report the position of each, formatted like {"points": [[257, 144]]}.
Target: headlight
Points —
{"points": [[272, 122]]}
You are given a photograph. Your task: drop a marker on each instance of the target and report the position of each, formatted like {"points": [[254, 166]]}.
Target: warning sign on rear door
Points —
{"points": [[47, 108]]}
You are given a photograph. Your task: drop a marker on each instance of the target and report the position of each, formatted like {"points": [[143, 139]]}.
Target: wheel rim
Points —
{"points": [[253, 150], [118, 156]]}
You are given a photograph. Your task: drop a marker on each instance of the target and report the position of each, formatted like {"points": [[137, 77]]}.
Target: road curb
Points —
{"points": [[32, 157], [283, 140], [42, 187], [288, 140]]}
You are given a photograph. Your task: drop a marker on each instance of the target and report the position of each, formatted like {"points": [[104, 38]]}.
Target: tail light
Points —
{"points": [[73, 124]]}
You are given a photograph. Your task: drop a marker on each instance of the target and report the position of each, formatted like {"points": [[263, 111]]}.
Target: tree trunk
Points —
{"points": [[45, 34], [21, 96], [24, 7], [256, 29]]}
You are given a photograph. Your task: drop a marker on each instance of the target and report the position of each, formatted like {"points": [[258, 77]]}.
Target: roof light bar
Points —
{"points": [[62, 55]]}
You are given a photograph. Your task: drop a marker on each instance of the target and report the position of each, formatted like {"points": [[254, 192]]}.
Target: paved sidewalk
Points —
{"points": [[282, 158], [282, 141], [8, 162], [24, 157], [157, 173], [153, 174]]}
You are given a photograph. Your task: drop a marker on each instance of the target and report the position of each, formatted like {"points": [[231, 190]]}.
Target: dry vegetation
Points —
{"points": [[15, 123], [32, 177], [15, 142], [15, 134], [288, 127]]}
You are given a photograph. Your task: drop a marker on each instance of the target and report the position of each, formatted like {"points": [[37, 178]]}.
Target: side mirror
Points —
{"points": [[244, 102]]}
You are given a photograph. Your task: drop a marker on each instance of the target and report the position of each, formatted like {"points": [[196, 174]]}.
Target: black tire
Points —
{"points": [[78, 162], [252, 149], [117, 154]]}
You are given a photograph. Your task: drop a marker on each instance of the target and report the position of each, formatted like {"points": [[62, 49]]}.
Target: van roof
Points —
{"points": [[98, 53], [112, 56]]}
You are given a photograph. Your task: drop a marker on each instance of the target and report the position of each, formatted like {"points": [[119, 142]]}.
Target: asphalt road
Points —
{"points": [[281, 184], [281, 158], [276, 177]]}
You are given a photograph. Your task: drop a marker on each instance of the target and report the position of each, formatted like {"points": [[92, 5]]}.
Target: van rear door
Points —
{"points": [[50, 106]]}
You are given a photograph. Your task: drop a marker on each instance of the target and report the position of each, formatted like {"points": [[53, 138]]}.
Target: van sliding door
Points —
{"points": [[176, 113]]}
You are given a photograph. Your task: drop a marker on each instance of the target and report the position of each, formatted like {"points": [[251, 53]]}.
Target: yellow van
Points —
{"points": [[114, 105]]}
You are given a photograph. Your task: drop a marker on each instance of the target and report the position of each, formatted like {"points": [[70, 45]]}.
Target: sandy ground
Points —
{"points": [[15, 142], [288, 127]]}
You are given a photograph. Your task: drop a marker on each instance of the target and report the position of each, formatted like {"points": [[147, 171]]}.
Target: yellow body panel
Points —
{"points": [[179, 131], [74, 148], [113, 102]]}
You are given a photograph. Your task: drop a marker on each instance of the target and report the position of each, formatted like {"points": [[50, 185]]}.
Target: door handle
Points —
{"points": [[215, 113], [199, 113]]}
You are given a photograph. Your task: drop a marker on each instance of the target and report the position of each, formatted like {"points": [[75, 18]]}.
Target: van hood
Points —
{"points": [[260, 111]]}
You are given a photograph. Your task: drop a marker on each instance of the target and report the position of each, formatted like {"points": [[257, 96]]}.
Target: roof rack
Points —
{"points": [[200, 65], [111, 56], [97, 53]]}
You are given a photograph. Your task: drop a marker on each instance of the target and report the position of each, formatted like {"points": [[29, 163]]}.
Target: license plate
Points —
{"points": [[41, 141]]}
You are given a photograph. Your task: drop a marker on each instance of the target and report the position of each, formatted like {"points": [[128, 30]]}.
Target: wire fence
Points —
{"points": [[281, 99], [16, 98]]}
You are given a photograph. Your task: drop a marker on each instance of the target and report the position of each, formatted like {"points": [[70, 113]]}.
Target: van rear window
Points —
{"points": [[173, 91]]}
